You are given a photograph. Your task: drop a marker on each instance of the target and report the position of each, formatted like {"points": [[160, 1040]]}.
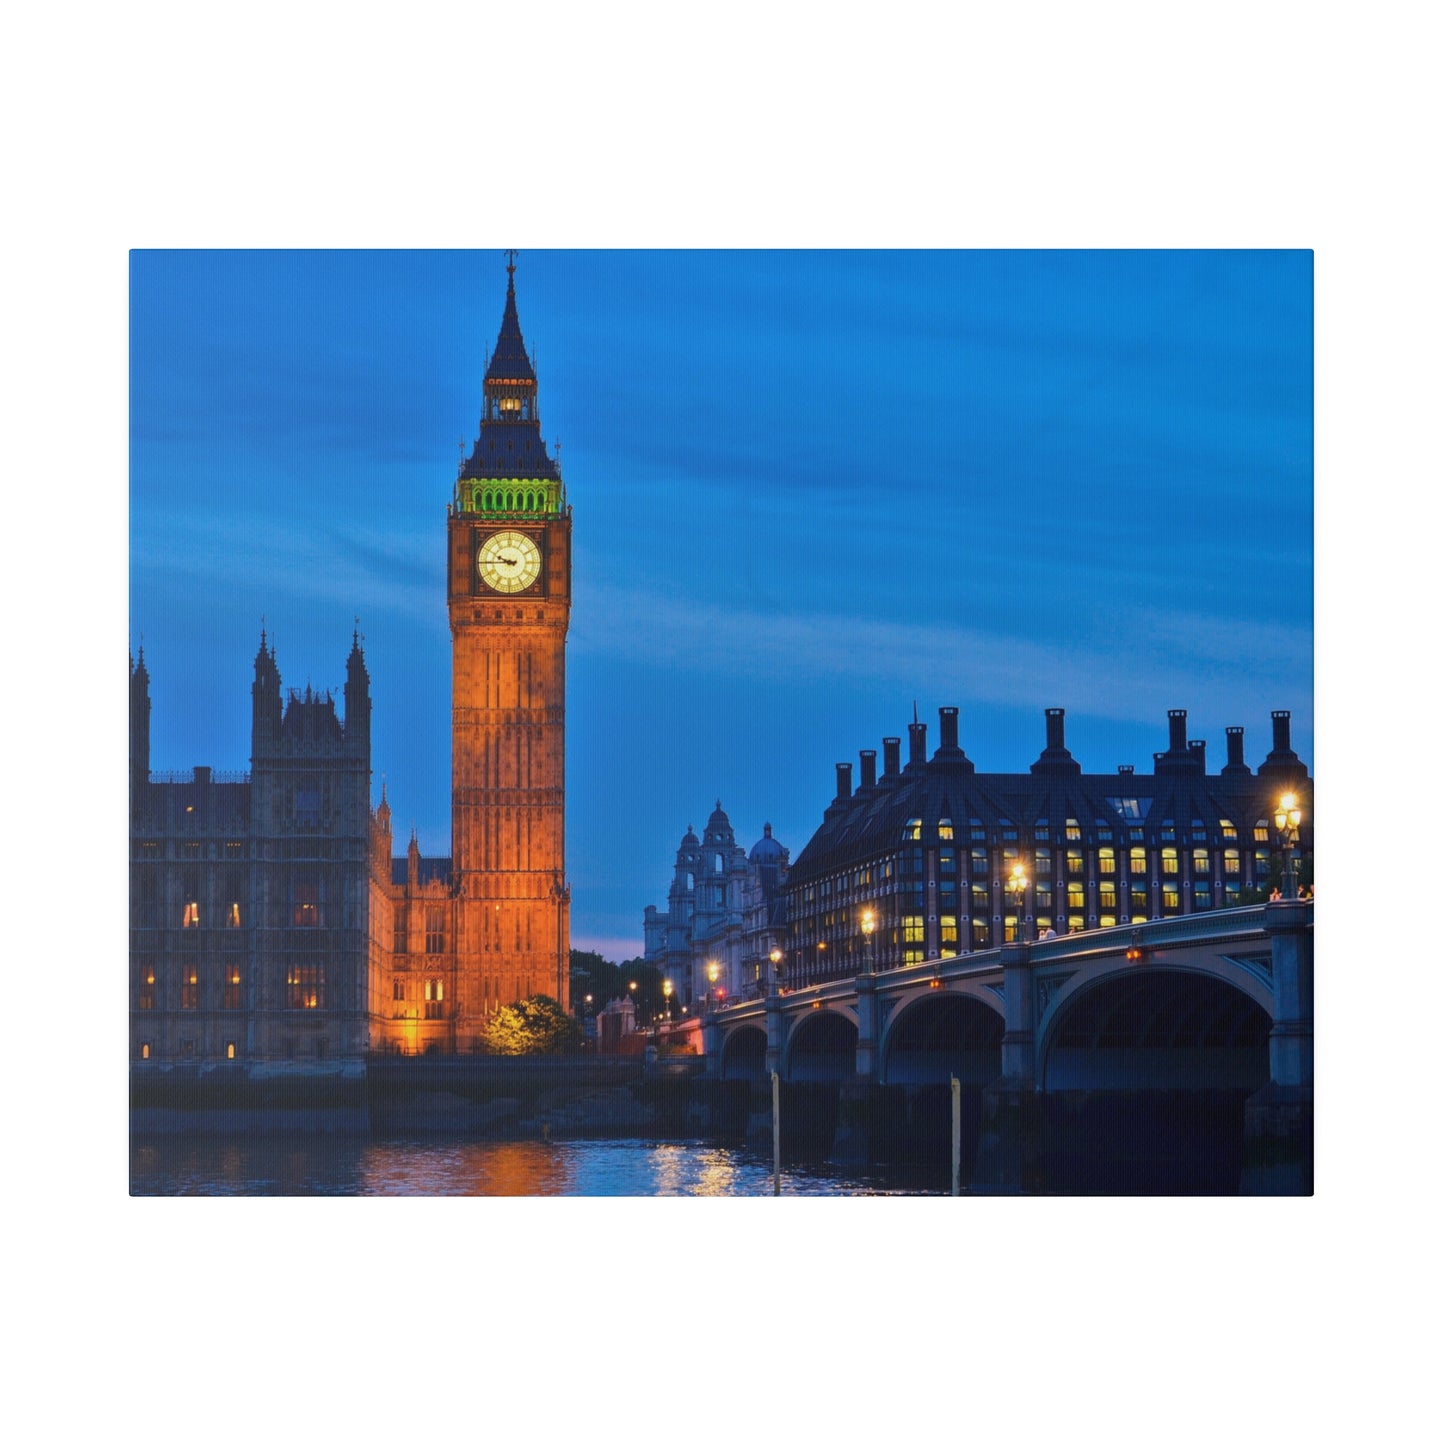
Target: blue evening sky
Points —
{"points": [[810, 489]]}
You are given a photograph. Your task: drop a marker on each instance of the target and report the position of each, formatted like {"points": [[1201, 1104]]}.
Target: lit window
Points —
{"points": [[1106, 860], [1261, 830], [191, 915], [190, 985], [1107, 920], [1228, 828], [306, 903], [145, 1051], [233, 916], [1171, 900], [231, 991], [1076, 896], [1200, 861], [146, 998], [1170, 860], [1108, 897], [913, 928], [230, 1050], [434, 998], [1074, 863], [306, 986], [1071, 830], [1138, 862], [1231, 861], [945, 830], [912, 830]]}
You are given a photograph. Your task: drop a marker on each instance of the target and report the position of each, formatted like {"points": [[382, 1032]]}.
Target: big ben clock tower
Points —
{"points": [[509, 592]]}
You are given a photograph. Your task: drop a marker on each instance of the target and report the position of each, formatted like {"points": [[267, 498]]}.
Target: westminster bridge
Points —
{"points": [[1187, 1037]]}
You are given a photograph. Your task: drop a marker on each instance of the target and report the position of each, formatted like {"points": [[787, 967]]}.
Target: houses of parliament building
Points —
{"points": [[269, 916]]}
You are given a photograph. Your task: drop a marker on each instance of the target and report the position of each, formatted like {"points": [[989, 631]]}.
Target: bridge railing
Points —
{"points": [[1241, 924]]}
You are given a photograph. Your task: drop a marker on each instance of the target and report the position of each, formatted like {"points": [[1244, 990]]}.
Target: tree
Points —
{"points": [[535, 1025]]}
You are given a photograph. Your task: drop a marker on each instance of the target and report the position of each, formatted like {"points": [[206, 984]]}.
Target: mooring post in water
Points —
{"points": [[777, 1140], [957, 1128]]}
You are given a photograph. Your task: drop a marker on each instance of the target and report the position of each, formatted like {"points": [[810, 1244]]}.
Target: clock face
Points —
{"points": [[509, 561]]}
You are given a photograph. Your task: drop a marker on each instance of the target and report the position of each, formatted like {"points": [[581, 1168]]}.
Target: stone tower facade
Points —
{"points": [[509, 595]]}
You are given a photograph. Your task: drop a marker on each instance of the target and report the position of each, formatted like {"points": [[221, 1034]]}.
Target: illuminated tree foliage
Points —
{"points": [[534, 1025]]}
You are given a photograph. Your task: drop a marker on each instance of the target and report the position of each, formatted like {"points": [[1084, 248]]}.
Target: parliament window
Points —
{"points": [[1203, 897], [231, 990], [398, 990], [1171, 898], [190, 985], [191, 914], [1106, 860], [306, 986], [398, 929], [1231, 861], [435, 929], [146, 996], [434, 998], [1169, 861], [306, 903], [913, 928], [233, 915], [1138, 863]]}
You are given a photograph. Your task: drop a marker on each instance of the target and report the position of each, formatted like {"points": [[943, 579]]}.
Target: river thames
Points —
{"points": [[323, 1164]]}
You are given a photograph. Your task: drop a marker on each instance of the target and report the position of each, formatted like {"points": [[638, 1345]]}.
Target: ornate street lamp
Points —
{"points": [[777, 961], [1015, 887], [868, 923], [1287, 817], [667, 994], [712, 972]]}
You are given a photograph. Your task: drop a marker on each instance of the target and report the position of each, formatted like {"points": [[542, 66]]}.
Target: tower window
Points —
{"points": [[306, 903], [190, 985], [435, 928], [146, 997], [231, 992], [306, 986]]}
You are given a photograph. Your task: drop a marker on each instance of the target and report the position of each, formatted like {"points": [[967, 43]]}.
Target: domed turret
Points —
{"points": [[767, 849]]}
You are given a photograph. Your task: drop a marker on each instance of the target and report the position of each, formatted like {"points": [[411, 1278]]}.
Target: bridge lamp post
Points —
{"points": [[667, 994], [868, 923], [712, 973], [777, 961], [1286, 822], [1015, 888]]}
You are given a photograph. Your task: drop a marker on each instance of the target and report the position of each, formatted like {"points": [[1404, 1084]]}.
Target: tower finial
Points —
{"points": [[511, 267]]}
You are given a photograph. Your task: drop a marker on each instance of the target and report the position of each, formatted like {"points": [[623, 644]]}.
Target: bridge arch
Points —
{"points": [[745, 1052], [940, 1035], [1158, 1028], [822, 1047]]}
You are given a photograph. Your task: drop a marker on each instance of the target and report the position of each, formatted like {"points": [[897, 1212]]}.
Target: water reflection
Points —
{"points": [[340, 1165]]}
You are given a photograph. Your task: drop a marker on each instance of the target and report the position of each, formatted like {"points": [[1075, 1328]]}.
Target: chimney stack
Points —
{"points": [[1178, 722], [845, 781], [917, 745], [890, 756], [947, 728], [868, 768]]}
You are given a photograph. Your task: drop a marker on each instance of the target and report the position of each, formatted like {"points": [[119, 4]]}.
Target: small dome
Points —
{"points": [[767, 849], [689, 841]]}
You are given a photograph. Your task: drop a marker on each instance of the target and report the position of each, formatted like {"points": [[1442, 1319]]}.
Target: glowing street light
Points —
{"points": [[1016, 886], [667, 994], [1287, 817], [776, 956], [868, 923], [713, 969]]}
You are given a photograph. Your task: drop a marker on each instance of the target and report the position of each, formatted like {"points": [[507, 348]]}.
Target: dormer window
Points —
{"points": [[912, 830], [945, 830]]}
